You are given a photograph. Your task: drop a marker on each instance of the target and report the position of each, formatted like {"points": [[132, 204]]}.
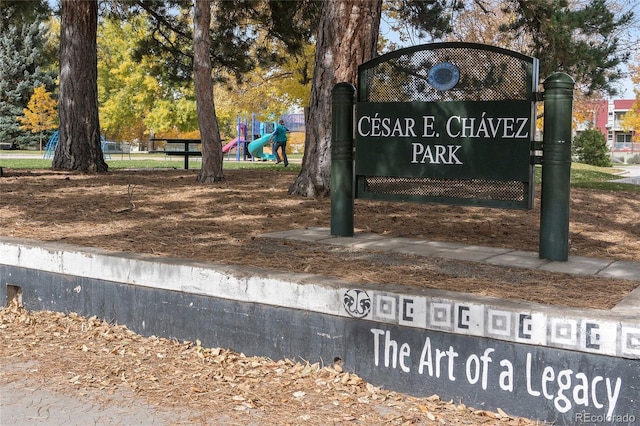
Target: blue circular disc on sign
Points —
{"points": [[443, 76]]}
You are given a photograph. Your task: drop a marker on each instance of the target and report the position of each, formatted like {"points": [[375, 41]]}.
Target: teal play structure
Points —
{"points": [[255, 148], [250, 140], [50, 147]]}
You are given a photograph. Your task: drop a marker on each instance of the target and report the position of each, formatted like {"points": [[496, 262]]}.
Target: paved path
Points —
{"points": [[631, 174], [22, 404], [576, 265]]}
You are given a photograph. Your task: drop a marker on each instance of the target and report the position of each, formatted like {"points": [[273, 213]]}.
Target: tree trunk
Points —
{"points": [[211, 170], [347, 37], [79, 146]]}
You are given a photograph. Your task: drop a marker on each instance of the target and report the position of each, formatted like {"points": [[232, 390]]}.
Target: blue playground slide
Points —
{"points": [[255, 148]]}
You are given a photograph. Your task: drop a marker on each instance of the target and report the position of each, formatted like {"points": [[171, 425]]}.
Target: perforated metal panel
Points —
{"points": [[486, 74], [506, 194], [446, 73]]}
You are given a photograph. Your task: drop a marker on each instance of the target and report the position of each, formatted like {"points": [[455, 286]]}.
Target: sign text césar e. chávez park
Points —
{"points": [[421, 138]]}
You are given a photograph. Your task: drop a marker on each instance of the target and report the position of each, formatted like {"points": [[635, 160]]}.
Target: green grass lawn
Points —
{"points": [[592, 177], [582, 175], [142, 161]]}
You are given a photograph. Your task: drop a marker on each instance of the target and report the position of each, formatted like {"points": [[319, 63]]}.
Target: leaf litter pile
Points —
{"points": [[191, 384]]}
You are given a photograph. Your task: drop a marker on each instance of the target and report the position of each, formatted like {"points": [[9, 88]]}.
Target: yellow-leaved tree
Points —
{"points": [[631, 120], [266, 92], [41, 113]]}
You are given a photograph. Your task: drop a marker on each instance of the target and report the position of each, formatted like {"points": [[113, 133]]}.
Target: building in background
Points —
{"points": [[607, 117]]}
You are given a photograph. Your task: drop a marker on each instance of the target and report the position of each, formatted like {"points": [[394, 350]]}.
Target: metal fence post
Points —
{"points": [[342, 101], [556, 167]]}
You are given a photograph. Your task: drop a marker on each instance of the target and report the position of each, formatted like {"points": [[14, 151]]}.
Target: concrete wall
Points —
{"points": [[547, 363]]}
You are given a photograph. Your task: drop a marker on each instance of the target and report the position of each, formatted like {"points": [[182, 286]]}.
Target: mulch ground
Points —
{"points": [[167, 213]]}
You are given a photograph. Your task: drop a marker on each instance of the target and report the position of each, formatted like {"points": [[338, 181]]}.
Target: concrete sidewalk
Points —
{"points": [[576, 265], [24, 404], [630, 174]]}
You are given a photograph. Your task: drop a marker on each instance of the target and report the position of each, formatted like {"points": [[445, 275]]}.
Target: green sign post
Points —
{"points": [[342, 159], [556, 167]]}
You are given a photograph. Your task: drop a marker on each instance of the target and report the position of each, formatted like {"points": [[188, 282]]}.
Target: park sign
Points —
{"points": [[450, 123], [453, 123]]}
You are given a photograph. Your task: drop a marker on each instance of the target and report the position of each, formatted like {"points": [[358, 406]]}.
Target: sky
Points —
{"points": [[630, 37]]}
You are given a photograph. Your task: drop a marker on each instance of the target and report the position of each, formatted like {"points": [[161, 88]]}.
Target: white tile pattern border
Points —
{"points": [[599, 332]]}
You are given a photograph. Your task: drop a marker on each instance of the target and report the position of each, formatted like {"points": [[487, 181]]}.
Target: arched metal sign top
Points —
{"points": [[482, 72]]}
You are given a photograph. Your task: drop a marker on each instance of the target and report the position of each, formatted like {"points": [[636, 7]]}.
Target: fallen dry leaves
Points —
{"points": [[88, 357]]}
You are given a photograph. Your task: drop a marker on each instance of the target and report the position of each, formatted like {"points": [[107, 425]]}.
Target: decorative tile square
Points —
{"points": [[385, 307], [356, 303], [469, 318], [599, 336], [531, 328], [440, 315], [630, 341], [499, 323], [564, 331], [413, 311]]}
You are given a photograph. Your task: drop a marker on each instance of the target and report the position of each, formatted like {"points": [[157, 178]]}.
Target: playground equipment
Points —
{"points": [[255, 148], [238, 142], [249, 145], [50, 147]]}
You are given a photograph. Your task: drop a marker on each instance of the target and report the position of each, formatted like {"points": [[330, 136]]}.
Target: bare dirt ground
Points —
{"points": [[166, 213]]}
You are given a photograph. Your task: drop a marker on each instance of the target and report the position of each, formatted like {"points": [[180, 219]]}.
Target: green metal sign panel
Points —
{"points": [[464, 140], [447, 122]]}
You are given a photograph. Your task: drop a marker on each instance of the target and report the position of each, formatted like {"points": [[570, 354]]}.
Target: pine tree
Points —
{"points": [[21, 59], [79, 147], [590, 147], [579, 39], [347, 36]]}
